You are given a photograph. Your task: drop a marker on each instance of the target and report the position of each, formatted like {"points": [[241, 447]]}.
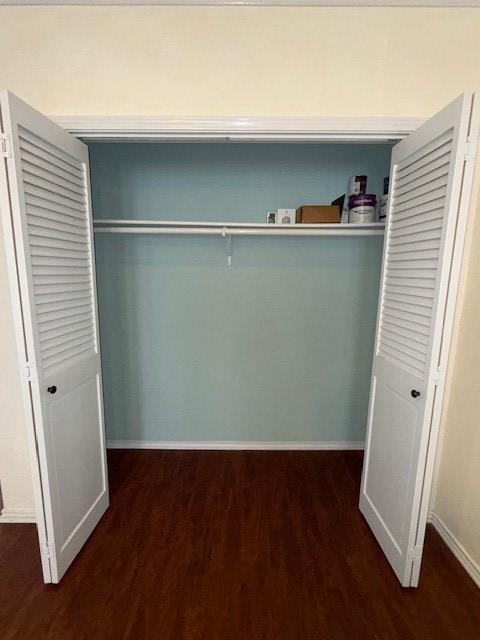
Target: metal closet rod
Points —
{"points": [[227, 230], [177, 227]]}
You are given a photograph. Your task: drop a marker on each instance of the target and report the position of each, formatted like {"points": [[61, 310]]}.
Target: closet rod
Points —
{"points": [[245, 231], [233, 229], [177, 227]]}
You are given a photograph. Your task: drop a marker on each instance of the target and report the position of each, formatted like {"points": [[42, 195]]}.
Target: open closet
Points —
{"points": [[220, 330], [275, 348]]}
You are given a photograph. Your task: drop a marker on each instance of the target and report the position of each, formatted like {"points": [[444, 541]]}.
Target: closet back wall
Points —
{"points": [[277, 347]]}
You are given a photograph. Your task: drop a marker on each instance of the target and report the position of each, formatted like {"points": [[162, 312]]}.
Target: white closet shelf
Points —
{"points": [[181, 227]]}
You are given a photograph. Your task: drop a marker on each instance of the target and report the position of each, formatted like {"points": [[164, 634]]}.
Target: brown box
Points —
{"points": [[313, 214]]}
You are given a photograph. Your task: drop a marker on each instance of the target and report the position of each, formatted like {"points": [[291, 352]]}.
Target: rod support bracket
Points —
{"points": [[228, 245]]}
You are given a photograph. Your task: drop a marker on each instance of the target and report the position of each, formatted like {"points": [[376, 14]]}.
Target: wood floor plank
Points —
{"points": [[251, 545]]}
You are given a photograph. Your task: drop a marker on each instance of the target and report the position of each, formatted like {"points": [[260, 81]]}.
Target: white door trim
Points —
{"points": [[238, 128]]}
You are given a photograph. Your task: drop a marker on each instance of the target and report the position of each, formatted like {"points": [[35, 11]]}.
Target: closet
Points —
{"points": [[275, 349], [220, 330]]}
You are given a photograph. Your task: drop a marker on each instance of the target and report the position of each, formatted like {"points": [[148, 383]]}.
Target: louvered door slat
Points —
{"points": [[58, 233], [53, 244], [36, 146], [58, 188], [56, 221], [38, 203], [406, 334], [71, 331], [65, 356], [50, 198], [410, 291], [411, 325], [62, 318], [47, 230], [413, 283], [428, 153], [428, 179], [432, 198], [416, 221], [38, 165], [422, 189], [412, 221], [69, 337], [422, 301], [68, 270], [413, 252], [410, 240], [414, 349], [441, 163]]}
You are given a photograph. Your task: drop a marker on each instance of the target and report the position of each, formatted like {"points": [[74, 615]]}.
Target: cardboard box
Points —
{"points": [[315, 214]]}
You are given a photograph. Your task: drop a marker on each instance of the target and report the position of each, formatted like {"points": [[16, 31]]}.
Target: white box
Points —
{"points": [[285, 216]]}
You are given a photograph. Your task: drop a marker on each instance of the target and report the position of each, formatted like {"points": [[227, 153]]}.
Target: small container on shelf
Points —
{"points": [[383, 208], [357, 185], [362, 208]]}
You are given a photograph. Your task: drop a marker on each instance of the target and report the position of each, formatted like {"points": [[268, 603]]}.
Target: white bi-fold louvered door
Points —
{"points": [[45, 199], [430, 181]]}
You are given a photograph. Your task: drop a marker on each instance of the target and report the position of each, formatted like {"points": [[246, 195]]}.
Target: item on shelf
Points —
{"points": [[362, 208], [383, 208], [345, 216], [314, 214], [271, 217], [339, 202], [357, 185], [285, 216], [342, 207]]}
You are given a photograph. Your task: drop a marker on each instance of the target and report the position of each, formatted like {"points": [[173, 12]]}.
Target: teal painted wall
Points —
{"points": [[276, 347]]}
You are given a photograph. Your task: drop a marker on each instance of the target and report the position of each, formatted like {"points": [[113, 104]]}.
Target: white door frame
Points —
{"points": [[266, 129], [237, 129]]}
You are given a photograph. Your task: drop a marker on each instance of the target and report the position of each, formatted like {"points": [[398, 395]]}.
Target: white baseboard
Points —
{"points": [[241, 445], [17, 516], [462, 555]]}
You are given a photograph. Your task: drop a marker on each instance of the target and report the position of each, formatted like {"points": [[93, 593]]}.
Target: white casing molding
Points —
{"points": [[227, 445], [17, 516], [238, 128], [254, 3], [458, 550]]}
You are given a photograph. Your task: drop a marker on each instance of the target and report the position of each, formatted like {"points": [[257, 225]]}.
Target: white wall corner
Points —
{"points": [[458, 550]]}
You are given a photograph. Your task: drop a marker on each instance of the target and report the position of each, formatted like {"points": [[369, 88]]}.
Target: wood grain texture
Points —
{"points": [[233, 546]]}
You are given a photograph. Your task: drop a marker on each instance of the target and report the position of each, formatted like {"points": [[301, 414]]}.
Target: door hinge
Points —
{"points": [[416, 553], [437, 375], [5, 147], [470, 149], [47, 550], [29, 368]]}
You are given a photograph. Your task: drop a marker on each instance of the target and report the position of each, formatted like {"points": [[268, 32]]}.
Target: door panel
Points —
{"points": [[427, 187], [48, 182]]}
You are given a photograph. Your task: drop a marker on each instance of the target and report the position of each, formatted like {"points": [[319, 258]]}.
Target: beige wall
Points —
{"points": [[456, 498], [238, 60], [14, 461], [264, 61]]}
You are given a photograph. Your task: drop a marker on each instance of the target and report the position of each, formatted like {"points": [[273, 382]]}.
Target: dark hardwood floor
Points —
{"points": [[230, 546]]}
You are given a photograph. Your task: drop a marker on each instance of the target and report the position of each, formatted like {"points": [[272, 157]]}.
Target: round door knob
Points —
{"points": [[52, 389], [415, 393]]}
